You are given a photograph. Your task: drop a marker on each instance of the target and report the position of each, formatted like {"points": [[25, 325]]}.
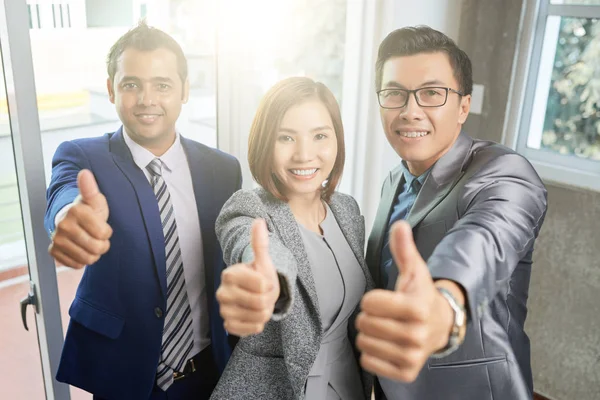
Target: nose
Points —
{"points": [[146, 97], [304, 151], [411, 111]]}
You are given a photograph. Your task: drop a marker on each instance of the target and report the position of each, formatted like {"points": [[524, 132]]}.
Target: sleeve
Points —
{"points": [[240, 179], [233, 227], [68, 160], [502, 210], [62, 213]]}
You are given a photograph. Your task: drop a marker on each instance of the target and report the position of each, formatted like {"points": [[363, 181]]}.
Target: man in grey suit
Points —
{"points": [[449, 322]]}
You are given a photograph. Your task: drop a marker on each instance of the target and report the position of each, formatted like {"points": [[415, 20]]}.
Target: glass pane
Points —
{"points": [[257, 49], [292, 40], [568, 89], [20, 363], [70, 73]]}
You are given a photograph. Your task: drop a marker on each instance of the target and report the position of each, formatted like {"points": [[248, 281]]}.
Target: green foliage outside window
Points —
{"points": [[572, 123]]}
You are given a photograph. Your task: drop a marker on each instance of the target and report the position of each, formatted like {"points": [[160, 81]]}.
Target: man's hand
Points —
{"points": [[248, 292], [399, 330], [82, 236]]}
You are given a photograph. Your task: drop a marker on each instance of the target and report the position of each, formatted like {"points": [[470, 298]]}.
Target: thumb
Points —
{"points": [[260, 247], [411, 266], [88, 189]]}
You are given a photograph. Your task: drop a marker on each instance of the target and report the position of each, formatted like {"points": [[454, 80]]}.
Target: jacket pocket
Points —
{"points": [[96, 319], [254, 377], [469, 363]]}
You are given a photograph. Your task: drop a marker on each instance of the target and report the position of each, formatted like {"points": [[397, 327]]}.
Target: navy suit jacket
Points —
{"points": [[113, 342]]}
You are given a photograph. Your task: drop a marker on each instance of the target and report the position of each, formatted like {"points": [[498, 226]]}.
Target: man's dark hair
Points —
{"points": [[423, 39], [146, 38]]}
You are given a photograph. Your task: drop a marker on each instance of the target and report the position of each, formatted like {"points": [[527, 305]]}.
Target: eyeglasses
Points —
{"points": [[425, 97]]}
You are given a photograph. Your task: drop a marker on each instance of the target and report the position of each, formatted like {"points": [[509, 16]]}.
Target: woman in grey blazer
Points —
{"points": [[298, 276]]}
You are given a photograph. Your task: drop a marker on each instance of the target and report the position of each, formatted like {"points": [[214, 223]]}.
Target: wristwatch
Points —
{"points": [[460, 320]]}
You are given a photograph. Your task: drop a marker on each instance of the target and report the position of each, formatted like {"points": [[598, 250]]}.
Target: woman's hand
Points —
{"points": [[248, 292]]}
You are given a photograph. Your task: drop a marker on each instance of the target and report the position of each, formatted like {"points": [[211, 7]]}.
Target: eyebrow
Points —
{"points": [[394, 84], [317, 129], [153, 79]]}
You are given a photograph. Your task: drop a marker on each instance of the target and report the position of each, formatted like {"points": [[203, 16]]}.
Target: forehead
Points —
{"points": [[306, 115], [412, 71], [144, 64]]}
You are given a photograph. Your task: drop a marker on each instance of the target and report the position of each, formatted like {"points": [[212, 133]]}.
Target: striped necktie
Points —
{"points": [[177, 340]]}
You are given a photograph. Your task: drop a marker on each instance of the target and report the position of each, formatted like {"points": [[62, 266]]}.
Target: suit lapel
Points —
{"points": [[299, 359], [203, 177], [443, 176], [147, 202], [380, 225], [347, 226], [354, 233]]}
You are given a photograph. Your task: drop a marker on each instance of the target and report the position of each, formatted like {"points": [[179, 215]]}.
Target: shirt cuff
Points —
{"points": [[62, 214], [284, 302]]}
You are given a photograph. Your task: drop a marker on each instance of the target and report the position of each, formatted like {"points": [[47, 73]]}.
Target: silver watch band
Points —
{"points": [[459, 321]]}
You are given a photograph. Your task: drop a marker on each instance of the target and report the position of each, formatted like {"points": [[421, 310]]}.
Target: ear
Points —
{"points": [[186, 92], [465, 107], [111, 90]]}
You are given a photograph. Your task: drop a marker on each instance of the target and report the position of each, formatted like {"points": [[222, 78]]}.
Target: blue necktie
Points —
{"points": [[406, 199]]}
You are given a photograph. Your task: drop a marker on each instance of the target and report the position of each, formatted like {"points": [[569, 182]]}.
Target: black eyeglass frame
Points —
{"points": [[414, 93]]}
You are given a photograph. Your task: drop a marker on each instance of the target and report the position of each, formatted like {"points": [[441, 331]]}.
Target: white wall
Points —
{"points": [[443, 15]]}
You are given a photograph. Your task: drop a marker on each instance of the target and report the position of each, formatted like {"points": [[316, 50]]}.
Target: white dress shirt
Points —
{"points": [[177, 176]]}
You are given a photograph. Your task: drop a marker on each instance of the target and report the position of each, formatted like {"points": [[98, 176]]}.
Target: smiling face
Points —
{"points": [[422, 135], [305, 150], [148, 94]]}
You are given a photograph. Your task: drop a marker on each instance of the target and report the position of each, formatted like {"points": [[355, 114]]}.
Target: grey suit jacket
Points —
{"points": [[475, 221], [275, 363]]}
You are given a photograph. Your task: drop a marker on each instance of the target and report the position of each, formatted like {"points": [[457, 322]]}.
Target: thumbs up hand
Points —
{"points": [[400, 329], [90, 195], [82, 236], [248, 292], [413, 274]]}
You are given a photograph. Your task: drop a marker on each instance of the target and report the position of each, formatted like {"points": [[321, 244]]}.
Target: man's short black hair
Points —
{"points": [[146, 38], [423, 39]]}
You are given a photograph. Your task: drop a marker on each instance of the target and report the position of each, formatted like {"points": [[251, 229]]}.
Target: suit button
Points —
{"points": [[158, 312]]}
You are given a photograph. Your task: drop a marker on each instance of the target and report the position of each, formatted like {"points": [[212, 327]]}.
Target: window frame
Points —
{"points": [[553, 167], [27, 147]]}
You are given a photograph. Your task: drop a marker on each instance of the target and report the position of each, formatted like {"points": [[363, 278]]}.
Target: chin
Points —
{"points": [[303, 191], [413, 158]]}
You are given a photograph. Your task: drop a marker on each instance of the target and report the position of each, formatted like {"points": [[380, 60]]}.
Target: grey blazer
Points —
{"points": [[276, 363], [475, 221]]}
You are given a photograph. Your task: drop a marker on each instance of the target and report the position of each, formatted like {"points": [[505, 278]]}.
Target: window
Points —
{"points": [[255, 50], [29, 13], [52, 14], [559, 127]]}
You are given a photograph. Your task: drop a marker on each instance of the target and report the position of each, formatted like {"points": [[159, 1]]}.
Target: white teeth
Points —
{"points": [[412, 134], [303, 172]]}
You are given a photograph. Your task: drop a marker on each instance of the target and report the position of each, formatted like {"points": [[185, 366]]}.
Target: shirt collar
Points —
{"points": [[410, 178], [171, 159]]}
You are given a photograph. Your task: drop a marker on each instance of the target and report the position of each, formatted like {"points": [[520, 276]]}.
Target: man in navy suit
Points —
{"points": [[138, 207]]}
